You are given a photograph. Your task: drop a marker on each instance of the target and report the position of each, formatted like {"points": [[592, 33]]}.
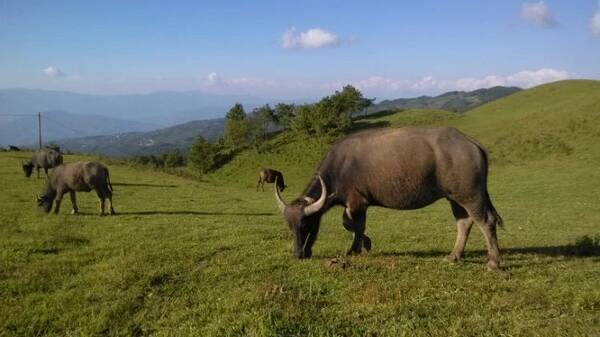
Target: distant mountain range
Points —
{"points": [[455, 101], [160, 108], [23, 130], [151, 142], [181, 136]]}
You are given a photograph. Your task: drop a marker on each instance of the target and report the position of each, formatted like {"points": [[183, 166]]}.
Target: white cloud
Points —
{"points": [[595, 24], [55, 72], [216, 81], [538, 13], [212, 78], [430, 85], [312, 38]]}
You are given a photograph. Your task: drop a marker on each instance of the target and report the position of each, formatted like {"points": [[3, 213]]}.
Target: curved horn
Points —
{"points": [[317, 205], [280, 203]]}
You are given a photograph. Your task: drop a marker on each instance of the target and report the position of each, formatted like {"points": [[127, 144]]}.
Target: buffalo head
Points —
{"points": [[45, 202], [303, 218], [27, 168]]}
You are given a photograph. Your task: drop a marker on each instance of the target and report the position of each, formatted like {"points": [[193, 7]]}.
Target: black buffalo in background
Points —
{"points": [[45, 158], [267, 175], [77, 177]]}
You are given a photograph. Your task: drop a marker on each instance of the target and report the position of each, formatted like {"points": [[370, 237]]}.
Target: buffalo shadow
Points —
{"points": [[195, 213], [143, 185], [552, 251]]}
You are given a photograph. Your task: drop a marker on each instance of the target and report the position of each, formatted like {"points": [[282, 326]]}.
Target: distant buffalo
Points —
{"points": [[45, 159], [77, 177], [266, 175], [405, 168], [13, 148]]}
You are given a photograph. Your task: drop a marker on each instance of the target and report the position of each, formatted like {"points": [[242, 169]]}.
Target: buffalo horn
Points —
{"points": [[317, 205], [280, 203]]}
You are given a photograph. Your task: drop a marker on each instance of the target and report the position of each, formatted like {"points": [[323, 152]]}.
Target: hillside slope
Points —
{"points": [[560, 120], [456, 101], [150, 142]]}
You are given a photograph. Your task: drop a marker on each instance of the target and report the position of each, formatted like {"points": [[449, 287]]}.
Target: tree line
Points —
{"points": [[331, 116]]}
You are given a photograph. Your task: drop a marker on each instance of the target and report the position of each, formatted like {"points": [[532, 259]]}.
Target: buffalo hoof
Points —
{"points": [[351, 252], [452, 258], [367, 243], [74, 212], [101, 214], [493, 266]]}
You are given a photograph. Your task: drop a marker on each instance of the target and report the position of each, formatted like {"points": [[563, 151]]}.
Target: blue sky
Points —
{"points": [[292, 49]]}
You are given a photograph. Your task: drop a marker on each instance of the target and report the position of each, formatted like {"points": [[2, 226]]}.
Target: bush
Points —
{"points": [[202, 156]]}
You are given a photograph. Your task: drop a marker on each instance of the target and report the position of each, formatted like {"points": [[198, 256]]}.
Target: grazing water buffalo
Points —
{"points": [[44, 158], [266, 175], [77, 177], [405, 168]]}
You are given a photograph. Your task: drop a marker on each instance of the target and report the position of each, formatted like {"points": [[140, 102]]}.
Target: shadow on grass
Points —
{"points": [[363, 125], [379, 114], [194, 213], [142, 185], [553, 251]]}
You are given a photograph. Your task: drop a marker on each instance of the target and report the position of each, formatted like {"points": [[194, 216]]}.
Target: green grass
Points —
{"points": [[213, 257]]}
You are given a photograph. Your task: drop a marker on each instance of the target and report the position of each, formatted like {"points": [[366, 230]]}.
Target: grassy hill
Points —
{"points": [[213, 257], [457, 101]]}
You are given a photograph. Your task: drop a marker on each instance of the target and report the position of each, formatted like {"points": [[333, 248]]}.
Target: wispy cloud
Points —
{"points": [[595, 24], [309, 39], [215, 81], [430, 84], [212, 79], [539, 14], [53, 71]]}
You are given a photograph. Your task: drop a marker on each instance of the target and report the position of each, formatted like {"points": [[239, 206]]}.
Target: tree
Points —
{"points": [[284, 114], [267, 116], [174, 159], [304, 119], [236, 112], [237, 129], [201, 155], [332, 114]]}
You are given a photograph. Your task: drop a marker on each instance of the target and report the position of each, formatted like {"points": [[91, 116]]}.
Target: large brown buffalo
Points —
{"points": [[267, 175], [77, 177], [44, 158], [405, 168]]}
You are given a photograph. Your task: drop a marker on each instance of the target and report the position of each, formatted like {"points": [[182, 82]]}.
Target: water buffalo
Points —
{"points": [[405, 168], [77, 177], [266, 175], [45, 159]]}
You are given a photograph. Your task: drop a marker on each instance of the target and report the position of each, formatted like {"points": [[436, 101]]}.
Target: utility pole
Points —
{"points": [[40, 129]]}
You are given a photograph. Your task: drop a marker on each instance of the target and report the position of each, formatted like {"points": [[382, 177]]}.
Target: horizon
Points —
{"points": [[276, 50]]}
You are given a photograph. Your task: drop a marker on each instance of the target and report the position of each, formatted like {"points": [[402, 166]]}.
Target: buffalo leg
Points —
{"points": [[478, 212], [355, 223], [463, 228], [59, 197], [46, 171], [101, 199], [74, 202], [491, 240], [38, 172], [110, 203]]}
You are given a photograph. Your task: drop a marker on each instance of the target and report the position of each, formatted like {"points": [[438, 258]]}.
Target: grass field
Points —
{"points": [[213, 257]]}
